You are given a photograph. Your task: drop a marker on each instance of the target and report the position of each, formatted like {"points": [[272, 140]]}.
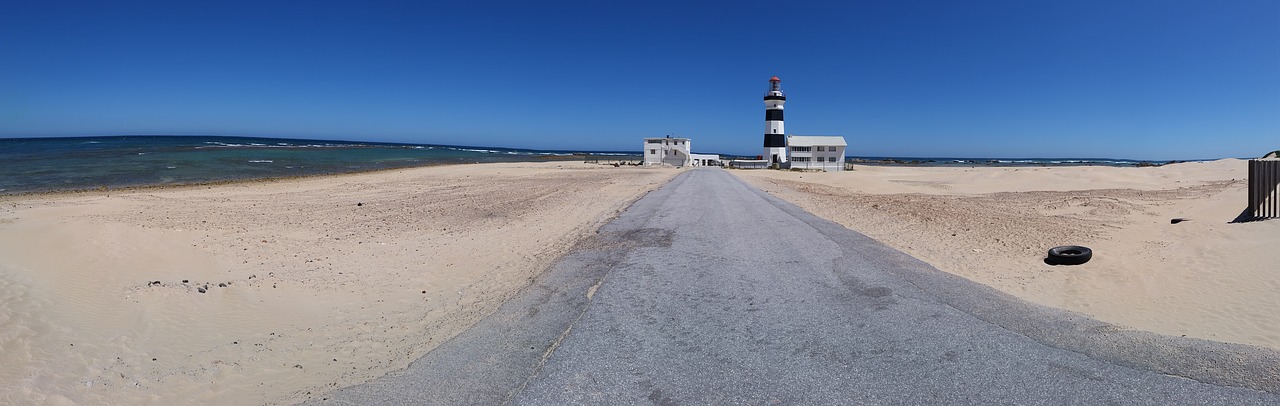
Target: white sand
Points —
{"points": [[329, 281], [1202, 278], [323, 293]]}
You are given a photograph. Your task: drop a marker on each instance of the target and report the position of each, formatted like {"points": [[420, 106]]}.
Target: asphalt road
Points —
{"points": [[708, 291]]}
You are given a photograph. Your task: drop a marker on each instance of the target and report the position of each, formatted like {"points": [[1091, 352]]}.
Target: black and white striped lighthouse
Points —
{"points": [[775, 139]]}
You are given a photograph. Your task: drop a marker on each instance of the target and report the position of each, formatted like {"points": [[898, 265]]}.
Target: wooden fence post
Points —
{"points": [[1264, 188]]}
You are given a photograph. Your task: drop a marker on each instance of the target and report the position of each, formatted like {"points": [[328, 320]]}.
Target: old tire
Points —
{"points": [[1069, 255]]}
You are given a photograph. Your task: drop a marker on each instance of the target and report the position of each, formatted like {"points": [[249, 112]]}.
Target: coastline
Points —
{"points": [[1206, 277], [572, 159], [193, 185], [264, 291], [1008, 162], [88, 163]]}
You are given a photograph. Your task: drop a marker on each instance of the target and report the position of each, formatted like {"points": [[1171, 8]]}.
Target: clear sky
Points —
{"points": [[1103, 79]]}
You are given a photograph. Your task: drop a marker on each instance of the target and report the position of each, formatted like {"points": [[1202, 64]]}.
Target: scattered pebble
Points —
{"points": [[201, 290], [185, 281], [222, 285]]}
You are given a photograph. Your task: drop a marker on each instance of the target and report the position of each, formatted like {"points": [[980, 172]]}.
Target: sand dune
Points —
{"points": [[307, 284], [1205, 277]]}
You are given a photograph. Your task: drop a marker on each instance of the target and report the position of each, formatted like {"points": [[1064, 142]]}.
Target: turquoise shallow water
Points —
{"points": [[48, 164]]}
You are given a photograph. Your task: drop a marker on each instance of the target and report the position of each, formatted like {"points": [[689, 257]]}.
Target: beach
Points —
{"points": [[269, 292], [276, 291], [1205, 277]]}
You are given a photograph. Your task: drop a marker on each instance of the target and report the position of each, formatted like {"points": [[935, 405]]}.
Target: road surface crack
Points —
{"points": [[591, 291]]}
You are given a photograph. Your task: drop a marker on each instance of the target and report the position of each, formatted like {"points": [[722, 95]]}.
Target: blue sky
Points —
{"points": [[1106, 79]]}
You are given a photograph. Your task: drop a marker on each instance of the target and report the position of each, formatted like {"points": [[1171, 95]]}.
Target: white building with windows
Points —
{"points": [[675, 152], [825, 152]]}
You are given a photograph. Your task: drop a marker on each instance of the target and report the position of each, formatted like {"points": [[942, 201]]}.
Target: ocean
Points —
{"points": [[935, 161], [57, 164], [80, 163]]}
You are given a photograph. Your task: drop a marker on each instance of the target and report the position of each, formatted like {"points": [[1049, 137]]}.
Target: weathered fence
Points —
{"points": [[1264, 184]]}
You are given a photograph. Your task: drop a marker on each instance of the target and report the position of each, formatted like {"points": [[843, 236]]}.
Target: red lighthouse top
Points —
{"points": [[775, 90]]}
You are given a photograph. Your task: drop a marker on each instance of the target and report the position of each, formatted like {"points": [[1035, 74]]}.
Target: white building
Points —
{"points": [[825, 152], [675, 152]]}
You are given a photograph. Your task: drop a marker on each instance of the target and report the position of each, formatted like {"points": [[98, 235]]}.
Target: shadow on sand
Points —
{"points": [[1246, 216]]}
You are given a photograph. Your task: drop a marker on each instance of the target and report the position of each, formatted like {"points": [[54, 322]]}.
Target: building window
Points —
{"points": [[800, 159], [655, 141], [831, 159], [801, 149], [653, 152], [819, 149]]}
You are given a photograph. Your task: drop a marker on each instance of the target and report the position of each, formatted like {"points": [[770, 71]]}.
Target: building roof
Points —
{"points": [[667, 138], [814, 140]]}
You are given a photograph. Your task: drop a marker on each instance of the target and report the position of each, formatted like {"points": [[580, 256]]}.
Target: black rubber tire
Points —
{"points": [[1069, 255]]}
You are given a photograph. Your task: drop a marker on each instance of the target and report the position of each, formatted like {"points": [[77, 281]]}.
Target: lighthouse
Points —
{"points": [[775, 139]]}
